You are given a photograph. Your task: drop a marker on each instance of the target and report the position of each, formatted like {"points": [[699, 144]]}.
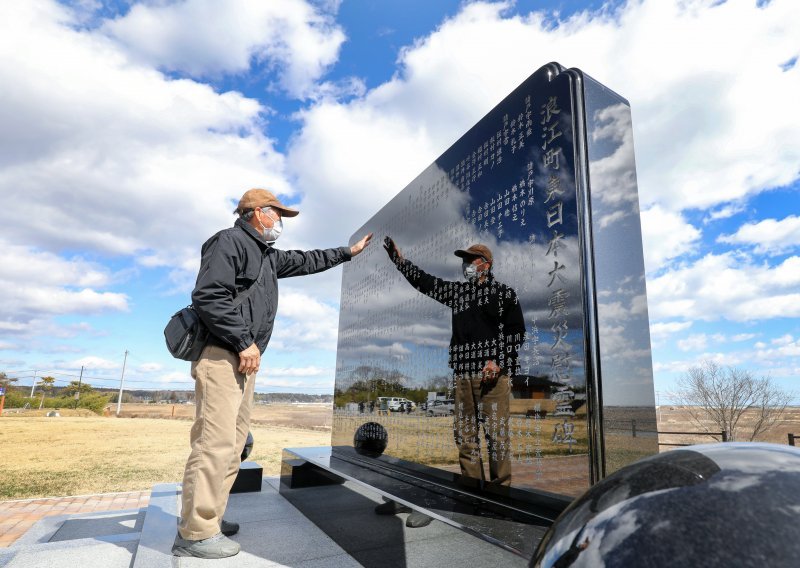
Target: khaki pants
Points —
{"points": [[224, 399], [487, 405]]}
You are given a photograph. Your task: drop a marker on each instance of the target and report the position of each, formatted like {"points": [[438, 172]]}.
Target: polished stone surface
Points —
{"points": [[346, 514], [547, 182], [715, 505], [514, 521], [248, 479]]}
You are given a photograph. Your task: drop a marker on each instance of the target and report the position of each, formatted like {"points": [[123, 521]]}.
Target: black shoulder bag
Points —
{"points": [[186, 334]]}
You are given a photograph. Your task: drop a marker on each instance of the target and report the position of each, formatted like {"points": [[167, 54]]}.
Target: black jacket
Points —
{"points": [[231, 262], [487, 319]]}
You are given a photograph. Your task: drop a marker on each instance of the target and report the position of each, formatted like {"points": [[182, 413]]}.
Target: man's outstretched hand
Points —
{"points": [[491, 371], [360, 245], [392, 250]]}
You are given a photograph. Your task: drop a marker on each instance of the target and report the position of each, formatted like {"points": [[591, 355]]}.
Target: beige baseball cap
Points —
{"points": [[253, 198], [475, 250]]}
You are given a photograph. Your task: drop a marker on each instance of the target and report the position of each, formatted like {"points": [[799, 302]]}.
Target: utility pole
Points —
{"points": [[78, 394], [33, 386], [121, 382]]}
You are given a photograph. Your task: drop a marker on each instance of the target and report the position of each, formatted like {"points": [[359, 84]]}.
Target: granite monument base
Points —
{"points": [[249, 478], [514, 520]]}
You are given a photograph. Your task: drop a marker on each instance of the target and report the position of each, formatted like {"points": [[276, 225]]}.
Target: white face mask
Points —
{"points": [[271, 235], [470, 270]]}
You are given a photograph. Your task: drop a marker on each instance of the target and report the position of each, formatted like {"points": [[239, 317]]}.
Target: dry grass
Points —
{"points": [[303, 416], [74, 455], [676, 418], [429, 440], [83, 453]]}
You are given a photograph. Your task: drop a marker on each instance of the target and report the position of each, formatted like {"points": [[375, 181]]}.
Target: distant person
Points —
{"points": [[361, 407], [232, 261], [371, 406]]}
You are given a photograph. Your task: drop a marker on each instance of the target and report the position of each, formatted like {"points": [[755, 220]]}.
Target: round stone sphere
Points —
{"points": [[370, 439], [248, 446], [729, 504]]}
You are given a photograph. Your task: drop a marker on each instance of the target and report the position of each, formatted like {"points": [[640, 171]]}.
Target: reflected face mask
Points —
{"points": [[470, 270]]}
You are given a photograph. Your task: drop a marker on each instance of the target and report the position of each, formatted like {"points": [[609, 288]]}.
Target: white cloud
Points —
{"points": [[304, 323], [36, 284], [365, 150], [665, 236], [695, 342], [297, 371], [93, 362], [206, 38], [174, 379], [116, 152], [783, 340], [296, 377], [727, 286], [126, 162], [105, 155], [767, 236], [724, 212], [785, 346], [682, 365], [743, 336], [662, 330]]}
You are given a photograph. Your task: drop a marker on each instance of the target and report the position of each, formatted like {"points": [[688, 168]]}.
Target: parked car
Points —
{"points": [[396, 403], [441, 407]]}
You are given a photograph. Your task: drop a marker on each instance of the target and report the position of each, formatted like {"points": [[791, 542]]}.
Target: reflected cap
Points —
{"points": [[261, 198], [476, 250]]}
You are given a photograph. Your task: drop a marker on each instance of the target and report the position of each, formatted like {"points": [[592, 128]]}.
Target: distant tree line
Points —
{"points": [[75, 395], [286, 397]]}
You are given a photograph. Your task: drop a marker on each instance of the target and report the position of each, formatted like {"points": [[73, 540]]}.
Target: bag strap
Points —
{"points": [[237, 301]]}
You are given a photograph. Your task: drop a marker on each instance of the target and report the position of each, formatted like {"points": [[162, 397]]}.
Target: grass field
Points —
{"points": [[80, 452], [303, 416], [74, 455]]}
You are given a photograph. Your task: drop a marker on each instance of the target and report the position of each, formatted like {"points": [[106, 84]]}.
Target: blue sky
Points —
{"points": [[131, 128]]}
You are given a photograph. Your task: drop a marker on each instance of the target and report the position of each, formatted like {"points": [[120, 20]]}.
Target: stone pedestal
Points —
{"points": [[249, 478]]}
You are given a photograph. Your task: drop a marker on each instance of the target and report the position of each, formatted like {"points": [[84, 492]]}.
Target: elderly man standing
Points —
{"points": [[233, 261]]}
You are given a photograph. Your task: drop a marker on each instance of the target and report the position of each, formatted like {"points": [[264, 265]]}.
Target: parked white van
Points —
{"points": [[395, 403]]}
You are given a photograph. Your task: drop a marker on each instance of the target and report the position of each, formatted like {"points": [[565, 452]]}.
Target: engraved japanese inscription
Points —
{"points": [[466, 335]]}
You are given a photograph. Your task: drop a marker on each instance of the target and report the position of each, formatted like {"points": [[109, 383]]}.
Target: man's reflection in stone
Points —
{"points": [[487, 330]]}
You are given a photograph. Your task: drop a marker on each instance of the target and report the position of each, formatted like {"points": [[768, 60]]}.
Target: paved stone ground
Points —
{"points": [[16, 517]]}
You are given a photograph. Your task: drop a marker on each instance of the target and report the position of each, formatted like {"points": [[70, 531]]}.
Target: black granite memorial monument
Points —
{"points": [[509, 305]]}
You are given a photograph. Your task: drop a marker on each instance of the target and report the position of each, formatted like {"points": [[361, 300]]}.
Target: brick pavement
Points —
{"points": [[16, 517]]}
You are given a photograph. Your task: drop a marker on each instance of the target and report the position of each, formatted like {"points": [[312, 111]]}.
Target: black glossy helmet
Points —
{"points": [[370, 439], [732, 504], [248, 446]]}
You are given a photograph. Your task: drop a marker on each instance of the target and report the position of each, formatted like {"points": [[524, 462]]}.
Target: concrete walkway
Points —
{"points": [[317, 527]]}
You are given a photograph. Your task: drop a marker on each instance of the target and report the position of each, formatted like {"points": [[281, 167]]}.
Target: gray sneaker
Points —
{"points": [[217, 546], [391, 508], [418, 520]]}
